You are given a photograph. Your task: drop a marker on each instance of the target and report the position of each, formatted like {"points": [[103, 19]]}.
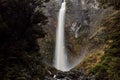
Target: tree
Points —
{"points": [[21, 24], [114, 3]]}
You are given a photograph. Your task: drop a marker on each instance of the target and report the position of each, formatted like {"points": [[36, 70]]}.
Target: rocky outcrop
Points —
{"points": [[80, 18], [71, 75]]}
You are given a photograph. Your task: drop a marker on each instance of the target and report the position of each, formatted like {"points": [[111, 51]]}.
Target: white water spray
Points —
{"points": [[60, 54]]}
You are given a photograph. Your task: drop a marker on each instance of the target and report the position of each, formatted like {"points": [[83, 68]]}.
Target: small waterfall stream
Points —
{"points": [[60, 61]]}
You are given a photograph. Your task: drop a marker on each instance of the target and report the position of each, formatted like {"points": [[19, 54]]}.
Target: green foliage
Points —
{"points": [[100, 70], [47, 48], [114, 3], [20, 27], [109, 67]]}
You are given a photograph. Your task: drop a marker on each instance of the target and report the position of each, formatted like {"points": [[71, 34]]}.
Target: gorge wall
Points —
{"points": [[82, 19]]}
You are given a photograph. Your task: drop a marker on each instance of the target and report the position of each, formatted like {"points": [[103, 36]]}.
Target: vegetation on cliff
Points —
{"points": [[21, 23], [24, 44], [108, 68], [106, 65], [114, 3]]}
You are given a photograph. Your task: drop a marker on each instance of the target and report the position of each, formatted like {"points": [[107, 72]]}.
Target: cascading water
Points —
{"points": [[60, 56]]}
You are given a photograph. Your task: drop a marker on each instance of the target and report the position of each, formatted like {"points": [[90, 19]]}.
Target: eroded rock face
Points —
{"points": [[77, 11], [80, 17]]}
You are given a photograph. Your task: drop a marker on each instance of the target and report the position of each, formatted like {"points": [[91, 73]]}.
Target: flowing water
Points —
{"points": [[60, 61]]}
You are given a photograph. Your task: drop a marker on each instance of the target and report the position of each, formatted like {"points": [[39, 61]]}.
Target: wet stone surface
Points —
{"points": [[71, 75]]}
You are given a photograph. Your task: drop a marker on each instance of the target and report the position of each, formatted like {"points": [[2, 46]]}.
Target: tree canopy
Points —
{"points": [[21, 24]]}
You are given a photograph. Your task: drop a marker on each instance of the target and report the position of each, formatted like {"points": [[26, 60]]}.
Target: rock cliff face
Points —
{"points": [[80, 26], [78, 11]]}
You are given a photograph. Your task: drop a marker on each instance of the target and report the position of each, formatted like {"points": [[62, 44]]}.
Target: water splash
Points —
{"points": [[60, 55]]}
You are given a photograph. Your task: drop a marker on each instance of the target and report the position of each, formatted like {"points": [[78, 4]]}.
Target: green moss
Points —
{"points": [[109, 66], [114, 3]]}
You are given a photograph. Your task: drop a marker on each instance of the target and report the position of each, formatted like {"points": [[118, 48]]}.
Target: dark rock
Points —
{"points": [[71, 75]]}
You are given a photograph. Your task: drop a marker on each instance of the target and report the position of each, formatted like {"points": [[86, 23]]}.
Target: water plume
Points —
{"points": [[60, 61]]}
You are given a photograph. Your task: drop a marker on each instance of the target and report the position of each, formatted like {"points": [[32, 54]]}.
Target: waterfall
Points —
{"points": [[60, 61]]}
